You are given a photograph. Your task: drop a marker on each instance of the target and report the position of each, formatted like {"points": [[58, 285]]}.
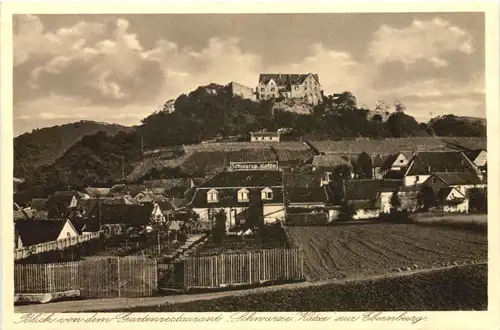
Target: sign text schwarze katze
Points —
{"points": [[252, 166]]}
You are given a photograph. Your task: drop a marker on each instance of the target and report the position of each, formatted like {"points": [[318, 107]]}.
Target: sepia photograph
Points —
{"points": [[249, 162]]}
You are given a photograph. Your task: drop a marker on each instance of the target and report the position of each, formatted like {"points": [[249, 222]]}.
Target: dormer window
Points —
{"points": [[266, 194], [212, 196], [243, 195]]}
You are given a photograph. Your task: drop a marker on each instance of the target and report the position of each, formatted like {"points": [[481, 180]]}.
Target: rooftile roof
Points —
{"points": [[454, 179], [285, 78], [431, 162], [241, 179], [39, 231]]}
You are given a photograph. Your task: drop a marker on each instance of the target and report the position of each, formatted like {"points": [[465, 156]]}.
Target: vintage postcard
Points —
{"points": [[258, 165]]}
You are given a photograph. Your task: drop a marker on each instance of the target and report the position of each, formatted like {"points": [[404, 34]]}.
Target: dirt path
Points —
{"points": [[117, 304]]}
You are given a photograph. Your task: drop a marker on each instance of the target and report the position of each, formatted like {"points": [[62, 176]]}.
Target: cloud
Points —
{"points": [[101, 71], [86, 59], [428, 40]]}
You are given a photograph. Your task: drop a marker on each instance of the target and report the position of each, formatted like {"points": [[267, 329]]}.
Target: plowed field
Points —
{"points": [[374, 249]]}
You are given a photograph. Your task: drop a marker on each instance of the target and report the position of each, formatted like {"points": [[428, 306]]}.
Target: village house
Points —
{"points": [[31, 232], [452, 200], [244, 195], [62, 203], [390, 166], [461, 181], [305, 87], [479, 158], [264, 137], [371, 197], [424, 164]]}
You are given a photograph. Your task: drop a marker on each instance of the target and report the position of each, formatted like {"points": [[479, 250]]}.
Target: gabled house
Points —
{"points": [[479, 158], [424, 164], [31, 232], [461, 181], [149, 196], [255, 195], [370, 197], [61, 204], [450, 199]]}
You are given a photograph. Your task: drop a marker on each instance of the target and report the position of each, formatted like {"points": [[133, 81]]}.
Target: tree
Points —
{"points": [[377, 118], [219, 228], [402, 125], [478, 200], [399, 106], [365, 165], [341, 173], [426, 198], [345, 101], [395, 200]]}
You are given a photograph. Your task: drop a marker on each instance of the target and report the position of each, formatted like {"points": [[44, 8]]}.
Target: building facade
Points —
{"points": [[305, 87], [264, 137], [242, 91], [247, 197]]}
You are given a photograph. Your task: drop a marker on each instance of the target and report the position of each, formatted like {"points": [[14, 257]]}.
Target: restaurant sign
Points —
{"points": [[253, 166]]}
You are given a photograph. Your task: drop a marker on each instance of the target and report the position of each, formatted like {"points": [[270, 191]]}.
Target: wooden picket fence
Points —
{"points": [[97, 277], [243, 268], [60, 244]]}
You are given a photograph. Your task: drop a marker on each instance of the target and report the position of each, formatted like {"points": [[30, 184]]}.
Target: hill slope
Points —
{"points": [[44, 146]]}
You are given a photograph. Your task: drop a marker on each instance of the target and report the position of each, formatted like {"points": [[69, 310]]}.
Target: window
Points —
{"points": [[213, 196], [262, 89], [305, 88], [68, 234], [296, 88], [433, 180], [272, 89], [315, 89], [401, 160], [262, 96], [266, 194], [243, 195]]}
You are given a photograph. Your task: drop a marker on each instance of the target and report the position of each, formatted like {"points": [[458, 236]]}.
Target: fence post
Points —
{"points": [[118, 276], [223, 269], [250, 267]]}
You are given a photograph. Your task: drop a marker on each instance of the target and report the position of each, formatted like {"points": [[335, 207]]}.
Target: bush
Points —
{"points": [[346, 212]]}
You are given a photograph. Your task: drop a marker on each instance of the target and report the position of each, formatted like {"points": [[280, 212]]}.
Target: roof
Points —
{"points": [[38, 203], [167, 183], [365, 204], [425, 163], [68, 193], [329, 161], [444, 192], [275, 134], [307, 195], [23, 214], [472, 155], [94, 192], [285, 78], [455, 179], [388, 146], [39, 231], [369, 189], [229, 197], [125, 213], [297, 179], [59, 199], [245, 179], [179, 202]]}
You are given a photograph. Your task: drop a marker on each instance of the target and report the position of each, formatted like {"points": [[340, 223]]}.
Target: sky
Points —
{"points": [[121, 68]]}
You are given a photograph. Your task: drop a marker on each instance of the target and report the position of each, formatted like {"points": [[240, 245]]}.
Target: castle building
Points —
{"points": [[304, 87]]}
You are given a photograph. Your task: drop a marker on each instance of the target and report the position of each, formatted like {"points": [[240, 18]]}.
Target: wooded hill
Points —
{"points": [[77, 154]]}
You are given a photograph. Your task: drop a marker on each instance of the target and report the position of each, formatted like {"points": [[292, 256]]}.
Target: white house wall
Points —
{"points": [[273, 212], [481, 159], [366, 214], [67, 231]]}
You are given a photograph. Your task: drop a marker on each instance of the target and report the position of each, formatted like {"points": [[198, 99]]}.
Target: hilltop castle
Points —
{"points": [[302, 87], [305, 87]]}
